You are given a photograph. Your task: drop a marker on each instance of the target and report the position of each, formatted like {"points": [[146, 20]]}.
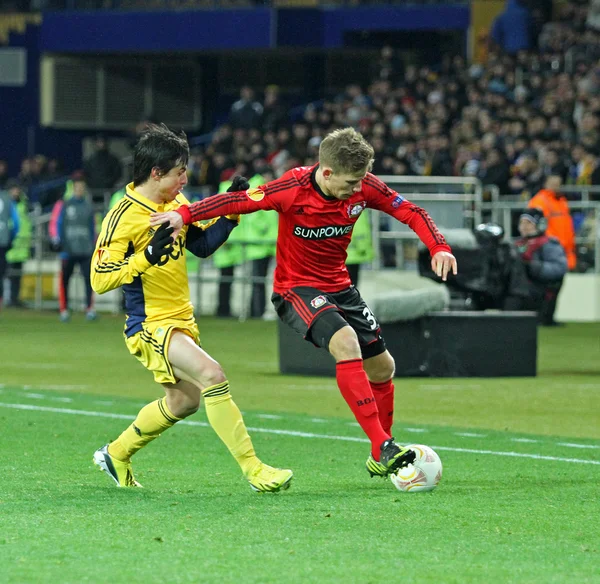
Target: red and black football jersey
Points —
{"points": [[314, 229]]}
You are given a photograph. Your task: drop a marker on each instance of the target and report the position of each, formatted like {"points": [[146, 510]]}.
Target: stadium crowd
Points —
{"points": [[511, 122], [531, 112]]}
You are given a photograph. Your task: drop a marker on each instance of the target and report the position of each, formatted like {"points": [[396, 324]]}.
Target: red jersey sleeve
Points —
{"points": [[381, 197], [274, 195]]}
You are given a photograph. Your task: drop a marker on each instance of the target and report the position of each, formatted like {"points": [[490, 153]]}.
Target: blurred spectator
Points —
{"points": [[117, 196], [495, 171], [102, 169], [260, 227], [20, 251], [360, 251], [9, 229], [527, 177], [226, 258], [593, 18], [72, 233], [54, 188], [26, 176], [512, 29], [3, 173], [274, 113], [387, 66], [553, 165], [555, 207], [545, 264], [246, 112]]}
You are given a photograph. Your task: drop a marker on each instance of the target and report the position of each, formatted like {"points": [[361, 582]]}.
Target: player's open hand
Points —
{"points": [[442, 262], [175, 220]]}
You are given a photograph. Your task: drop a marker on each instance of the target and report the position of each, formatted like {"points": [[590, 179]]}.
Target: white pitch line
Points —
{"points": [[33, 365], [524, 440], [54, 387], [571, 445], [470, 435], [310, 386], [293, 433], [444, 386]]}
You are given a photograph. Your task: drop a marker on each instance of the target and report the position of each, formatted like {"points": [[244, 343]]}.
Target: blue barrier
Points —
{"points": [[255, 28]]}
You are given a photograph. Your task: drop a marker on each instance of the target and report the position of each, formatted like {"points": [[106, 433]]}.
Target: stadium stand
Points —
{"points": [[509, 122]]}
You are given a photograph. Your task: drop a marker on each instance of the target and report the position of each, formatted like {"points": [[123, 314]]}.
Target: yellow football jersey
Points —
{"points": [[152, 293]]}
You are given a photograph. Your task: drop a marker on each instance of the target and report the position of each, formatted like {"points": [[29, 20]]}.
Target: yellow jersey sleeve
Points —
{"points": [[114, 262]]}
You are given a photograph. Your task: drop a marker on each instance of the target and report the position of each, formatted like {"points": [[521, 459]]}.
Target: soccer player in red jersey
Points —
{"points": [[318, 207]]}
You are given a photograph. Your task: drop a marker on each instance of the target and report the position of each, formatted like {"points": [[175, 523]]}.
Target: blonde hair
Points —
{"points": [[346, 151]]}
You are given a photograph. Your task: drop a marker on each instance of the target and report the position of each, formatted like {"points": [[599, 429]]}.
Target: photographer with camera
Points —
{"points": [[545, 264]]}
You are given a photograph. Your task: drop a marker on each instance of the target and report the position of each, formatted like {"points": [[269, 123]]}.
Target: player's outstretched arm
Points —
{"points": [[207, 209], [385, 199], [204, 242]]}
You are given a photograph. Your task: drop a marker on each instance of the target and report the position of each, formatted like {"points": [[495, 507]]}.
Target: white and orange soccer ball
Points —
{"points": [[423, 474]]}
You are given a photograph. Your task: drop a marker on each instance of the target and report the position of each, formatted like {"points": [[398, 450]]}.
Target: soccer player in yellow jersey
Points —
{"points": [[160, 329]]}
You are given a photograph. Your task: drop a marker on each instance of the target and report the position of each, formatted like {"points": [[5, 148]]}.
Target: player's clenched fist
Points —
{"points": [[160, 244], [239, 183]]}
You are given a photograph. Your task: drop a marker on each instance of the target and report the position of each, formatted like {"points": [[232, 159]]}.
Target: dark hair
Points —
{"points": [[161, 148]]}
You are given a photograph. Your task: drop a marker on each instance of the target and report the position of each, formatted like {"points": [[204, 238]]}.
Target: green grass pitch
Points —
{"points": [[518, 502]]}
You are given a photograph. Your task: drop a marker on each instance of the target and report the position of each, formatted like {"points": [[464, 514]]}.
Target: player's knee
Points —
{"points": [[183, 405], [344, 345], [213, 375], [190, 406], [382, 370], [383, 374]]}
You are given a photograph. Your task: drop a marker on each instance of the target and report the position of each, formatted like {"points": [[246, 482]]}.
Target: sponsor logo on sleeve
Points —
{"points": [[255, 194], [397, 201], [318, 301]]}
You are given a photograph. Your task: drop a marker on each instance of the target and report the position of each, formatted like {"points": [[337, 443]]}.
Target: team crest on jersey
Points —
{"points": [[318, 301], [397, 201], [255, 194], [356, 209]]}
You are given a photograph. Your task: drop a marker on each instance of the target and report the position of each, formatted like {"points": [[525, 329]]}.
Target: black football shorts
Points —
{"points": [[317, 316]]}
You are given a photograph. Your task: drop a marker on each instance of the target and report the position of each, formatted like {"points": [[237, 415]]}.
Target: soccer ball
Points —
{"points": [[422, 475]]}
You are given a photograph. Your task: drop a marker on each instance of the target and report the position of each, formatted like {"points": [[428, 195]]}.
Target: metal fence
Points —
{"points": [[454, 203]]}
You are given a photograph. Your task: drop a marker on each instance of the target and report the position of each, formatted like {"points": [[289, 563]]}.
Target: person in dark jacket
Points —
{"points": [[102, 169], [512, 29], [545, 263]]}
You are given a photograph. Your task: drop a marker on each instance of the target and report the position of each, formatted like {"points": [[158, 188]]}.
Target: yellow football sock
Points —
{"points": [[226, 419], [151, 421]]}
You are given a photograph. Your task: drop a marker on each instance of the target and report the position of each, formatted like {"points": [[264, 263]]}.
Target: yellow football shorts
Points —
{"points": [[150, 346]]}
